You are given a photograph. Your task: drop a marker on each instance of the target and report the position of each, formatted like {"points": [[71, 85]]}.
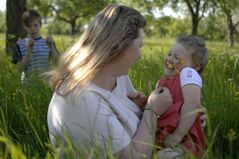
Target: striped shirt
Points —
{"points": [[40, 55]]}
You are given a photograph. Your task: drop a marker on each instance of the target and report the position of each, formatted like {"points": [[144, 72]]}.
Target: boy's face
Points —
{"points": [[33, 29], [177, 58]]}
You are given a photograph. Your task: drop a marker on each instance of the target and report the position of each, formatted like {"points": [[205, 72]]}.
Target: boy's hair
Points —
{"points": [[29, 16], [196, 45]]}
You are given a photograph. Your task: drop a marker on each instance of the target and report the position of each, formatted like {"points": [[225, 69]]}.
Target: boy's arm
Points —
{"points": [[188, 114], [54, 54], [53, 49], [21, 65]]}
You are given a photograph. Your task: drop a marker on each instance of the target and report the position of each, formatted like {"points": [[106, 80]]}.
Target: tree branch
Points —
{"points": [[190, 7], [58, 14], [204, 9], [236, 24]]}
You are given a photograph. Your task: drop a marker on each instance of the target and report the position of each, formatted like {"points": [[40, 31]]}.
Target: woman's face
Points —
{"points": [[130, 55]]}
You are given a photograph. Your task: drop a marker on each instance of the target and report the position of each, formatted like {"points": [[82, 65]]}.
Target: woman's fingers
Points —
{"points": [[170, 153], [204, 116]]}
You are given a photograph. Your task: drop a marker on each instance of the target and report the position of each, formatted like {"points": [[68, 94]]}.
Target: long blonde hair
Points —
{"points": [[110, 32]]}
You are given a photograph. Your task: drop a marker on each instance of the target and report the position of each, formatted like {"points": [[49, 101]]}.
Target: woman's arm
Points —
{"points": [[143, 141]]}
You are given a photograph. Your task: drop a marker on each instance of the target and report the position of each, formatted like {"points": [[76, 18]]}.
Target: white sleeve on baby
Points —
{"points": [[190, 76]]}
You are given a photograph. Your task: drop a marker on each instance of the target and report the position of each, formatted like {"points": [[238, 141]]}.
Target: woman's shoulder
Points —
{"points": [[78, 95]]}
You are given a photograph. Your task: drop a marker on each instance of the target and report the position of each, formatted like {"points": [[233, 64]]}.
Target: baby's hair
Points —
{"points": [[196, 45], [29, 16]]}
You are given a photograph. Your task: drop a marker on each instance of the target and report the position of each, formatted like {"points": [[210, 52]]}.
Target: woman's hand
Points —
{"points": [[139, 98], [171, 153], [160, 100], [203, 116]]}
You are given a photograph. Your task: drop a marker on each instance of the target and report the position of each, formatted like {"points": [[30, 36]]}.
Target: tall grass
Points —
{"points": [[23, 108]]}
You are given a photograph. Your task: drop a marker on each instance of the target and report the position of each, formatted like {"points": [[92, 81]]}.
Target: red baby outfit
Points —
{"points": [[194, 140]]}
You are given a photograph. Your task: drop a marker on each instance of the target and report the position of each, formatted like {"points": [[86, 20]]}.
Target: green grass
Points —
{"points": [[23, 108], [2, 43]]}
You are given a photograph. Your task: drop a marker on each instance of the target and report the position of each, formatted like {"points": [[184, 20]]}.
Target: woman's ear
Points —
{"points": [[197, 67]]}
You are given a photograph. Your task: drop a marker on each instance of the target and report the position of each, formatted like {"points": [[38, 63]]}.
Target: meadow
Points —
{"points": [[23, 108]]}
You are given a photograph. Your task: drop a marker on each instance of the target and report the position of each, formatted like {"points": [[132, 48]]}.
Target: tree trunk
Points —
{"points": [[231, 31], [73, 29], [231, 38], [14, 10], [195, 21]]}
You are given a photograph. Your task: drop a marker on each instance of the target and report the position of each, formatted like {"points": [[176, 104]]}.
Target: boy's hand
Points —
{"points": [[50, 42], [30, 43], [139, 98]]}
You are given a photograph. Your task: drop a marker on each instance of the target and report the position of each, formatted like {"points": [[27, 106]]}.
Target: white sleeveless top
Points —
{"points": [[110, 118]]}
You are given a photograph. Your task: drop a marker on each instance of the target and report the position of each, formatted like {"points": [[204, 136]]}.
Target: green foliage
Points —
{"points": [[213, 28], [2, 44], [167, 26], [23, 108], [75, 13], [2, 22], [58, 27]]}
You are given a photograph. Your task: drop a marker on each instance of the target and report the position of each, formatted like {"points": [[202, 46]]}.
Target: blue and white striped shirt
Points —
{"points": [[40, 55]]}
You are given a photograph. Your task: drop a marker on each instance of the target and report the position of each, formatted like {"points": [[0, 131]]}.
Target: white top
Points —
{"points": [[95, 114], [189, 75]]}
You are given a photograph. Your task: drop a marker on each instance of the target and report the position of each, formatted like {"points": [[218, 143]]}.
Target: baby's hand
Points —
{"points": [[50, 41], [139, 98]]}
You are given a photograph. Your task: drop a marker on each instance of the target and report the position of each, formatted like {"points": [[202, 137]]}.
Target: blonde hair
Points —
{"points": [[196, 46], [110, 32]]}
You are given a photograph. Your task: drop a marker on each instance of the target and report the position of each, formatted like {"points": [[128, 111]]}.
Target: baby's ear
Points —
{"points": [[198, 67]]}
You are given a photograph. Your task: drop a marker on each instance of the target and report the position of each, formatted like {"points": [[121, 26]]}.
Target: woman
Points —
{"points": [[90, 106]]}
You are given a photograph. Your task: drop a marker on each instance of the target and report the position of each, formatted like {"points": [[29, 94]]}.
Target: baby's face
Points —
{"points": [[177, 58]]}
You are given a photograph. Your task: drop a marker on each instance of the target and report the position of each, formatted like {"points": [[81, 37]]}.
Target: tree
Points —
{"points": [[74, 12], [14, 9], [231, 12], [196, 8]]}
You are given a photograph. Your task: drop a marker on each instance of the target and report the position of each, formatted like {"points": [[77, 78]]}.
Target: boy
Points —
{"points": [[181, 125], [33, 52]]}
